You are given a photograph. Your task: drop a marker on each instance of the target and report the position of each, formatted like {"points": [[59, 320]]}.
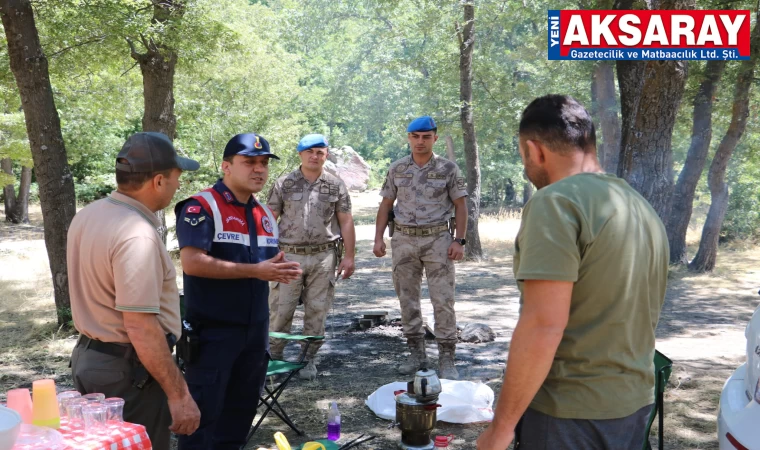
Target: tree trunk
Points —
{"points": [[157, 65], [527, 190], [466, 46], [606, 100], [450, 148], [650, 94], [17, 206], [509, 193], [704, 261], [43, 126], [9, 193], [701, 135]]}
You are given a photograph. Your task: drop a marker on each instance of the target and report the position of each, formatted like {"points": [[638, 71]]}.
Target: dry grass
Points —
{"points": [[701, 327]]}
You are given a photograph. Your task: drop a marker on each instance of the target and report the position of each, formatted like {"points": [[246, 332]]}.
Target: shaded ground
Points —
{"points": [[701, 329]]}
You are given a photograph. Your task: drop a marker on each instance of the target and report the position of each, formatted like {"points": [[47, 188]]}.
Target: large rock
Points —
{"points": [[345, 163], [477, 332]]}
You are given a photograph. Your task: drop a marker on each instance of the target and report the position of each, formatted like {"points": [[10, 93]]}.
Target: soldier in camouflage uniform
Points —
{"points": [[314, 211], [425, 188]]}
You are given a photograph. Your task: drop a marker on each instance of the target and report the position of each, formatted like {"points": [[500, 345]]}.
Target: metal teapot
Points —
{"points": [[427, 386]]}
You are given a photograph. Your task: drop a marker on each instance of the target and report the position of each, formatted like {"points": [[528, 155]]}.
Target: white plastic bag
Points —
{"points": [[461, 401]]}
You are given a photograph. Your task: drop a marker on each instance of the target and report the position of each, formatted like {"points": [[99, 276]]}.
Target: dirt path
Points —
{"points": [[701, 329]]}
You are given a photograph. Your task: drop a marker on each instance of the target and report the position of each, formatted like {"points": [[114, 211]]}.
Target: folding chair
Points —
{"points": [[286, 370], [663, 367]]}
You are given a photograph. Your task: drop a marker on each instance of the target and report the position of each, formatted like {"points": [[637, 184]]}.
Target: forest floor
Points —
{"points": [[701, 330]]}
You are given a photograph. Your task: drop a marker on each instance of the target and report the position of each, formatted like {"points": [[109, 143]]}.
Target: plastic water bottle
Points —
{"points": [[333, 422]]}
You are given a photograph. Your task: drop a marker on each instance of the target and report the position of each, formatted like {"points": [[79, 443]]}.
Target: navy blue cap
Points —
{"points": [[311, 141], [248, 144], [150, 151], [424, 123]]}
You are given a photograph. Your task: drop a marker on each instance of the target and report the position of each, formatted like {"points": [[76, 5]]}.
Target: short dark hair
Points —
{"points": [[560, 122], [132, 181]]}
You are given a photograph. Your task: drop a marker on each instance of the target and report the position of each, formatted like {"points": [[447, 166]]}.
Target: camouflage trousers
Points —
{"points": [[316, 287], [412, 254]]}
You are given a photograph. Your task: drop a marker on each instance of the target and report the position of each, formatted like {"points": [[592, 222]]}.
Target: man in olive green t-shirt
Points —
{"points": [[591, 262]]}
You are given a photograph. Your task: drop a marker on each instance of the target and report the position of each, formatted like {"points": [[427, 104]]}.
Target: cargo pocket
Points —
{"points": [[203, 386], [331, 291]]}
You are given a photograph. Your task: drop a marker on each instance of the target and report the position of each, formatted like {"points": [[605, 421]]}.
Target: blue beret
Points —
{"points": [[424, 123], [248, 144], [311, 141]]}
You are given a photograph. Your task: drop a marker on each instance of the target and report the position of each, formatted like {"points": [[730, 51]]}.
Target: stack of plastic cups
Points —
{"points": [[94, 397], [63, 396], [73, 408], [94, 417], [115, 409], [45, 404], [20, 401]]}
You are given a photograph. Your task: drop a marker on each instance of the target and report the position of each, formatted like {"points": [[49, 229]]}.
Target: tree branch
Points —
{"points": [[100, 38], [133, 51], [125, 72]]}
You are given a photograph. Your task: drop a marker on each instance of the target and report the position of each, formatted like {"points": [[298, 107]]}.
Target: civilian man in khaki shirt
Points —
{"points": [[124, 297], [314, 209]]}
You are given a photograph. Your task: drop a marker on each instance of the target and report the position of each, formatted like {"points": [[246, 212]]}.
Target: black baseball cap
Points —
{"points": [[152, 152], [248, 144]]}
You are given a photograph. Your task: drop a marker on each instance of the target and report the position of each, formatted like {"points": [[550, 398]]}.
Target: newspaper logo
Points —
{"points": [[645, 35]]}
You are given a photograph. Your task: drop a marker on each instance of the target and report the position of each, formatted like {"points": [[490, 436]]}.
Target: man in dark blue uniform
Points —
{"points": [[229, 251]]}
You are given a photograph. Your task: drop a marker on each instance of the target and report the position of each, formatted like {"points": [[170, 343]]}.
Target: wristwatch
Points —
{"points": [[461, 241]]}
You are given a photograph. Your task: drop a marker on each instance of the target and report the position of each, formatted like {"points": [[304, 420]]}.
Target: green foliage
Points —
{"points": [[743, 216], [355, 71]]}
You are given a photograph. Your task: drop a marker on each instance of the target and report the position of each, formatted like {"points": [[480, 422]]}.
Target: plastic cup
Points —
{"points": [[94, 397], [94, 417], [115, 407], [73, 408], [63, 396], [45, 404], [20, 400]]}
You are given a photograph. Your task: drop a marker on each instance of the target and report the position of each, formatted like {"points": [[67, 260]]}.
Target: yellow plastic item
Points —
{"points": [[281, 441], [313, 446]]}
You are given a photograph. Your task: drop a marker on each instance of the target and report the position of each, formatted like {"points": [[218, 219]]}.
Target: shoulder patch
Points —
{"points": [[193, 209], [461, 183], [195, 220]]}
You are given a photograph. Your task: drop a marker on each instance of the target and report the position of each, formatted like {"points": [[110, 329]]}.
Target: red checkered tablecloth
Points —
{"points": [[117, 436]]}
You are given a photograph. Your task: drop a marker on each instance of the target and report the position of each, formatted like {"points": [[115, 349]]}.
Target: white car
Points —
{"points": [[739, 413]]}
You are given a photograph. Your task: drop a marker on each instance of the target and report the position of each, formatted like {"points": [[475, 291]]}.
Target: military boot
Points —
{"points": [[446, 355], [417, 358]]}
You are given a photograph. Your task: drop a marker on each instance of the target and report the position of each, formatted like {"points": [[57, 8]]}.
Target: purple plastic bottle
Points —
{"points": [[333, 422]]}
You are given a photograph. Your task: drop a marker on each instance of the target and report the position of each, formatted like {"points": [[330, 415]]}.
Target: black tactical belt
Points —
{"points": [[109, 348], [114, 349], [422, 230], [307, 249]]}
